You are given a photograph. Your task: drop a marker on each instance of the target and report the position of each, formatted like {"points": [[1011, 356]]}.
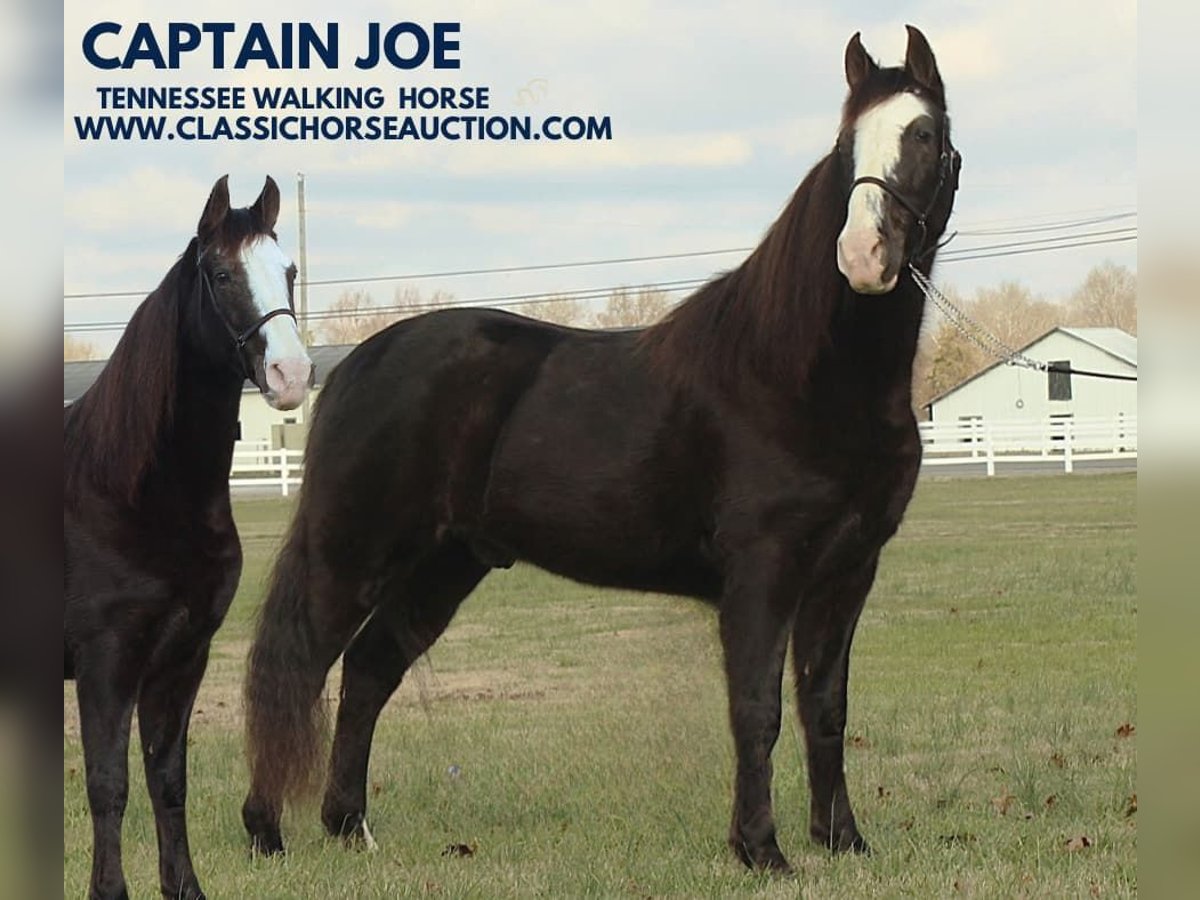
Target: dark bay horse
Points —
{"points": [[152, 554], [755, 449]]}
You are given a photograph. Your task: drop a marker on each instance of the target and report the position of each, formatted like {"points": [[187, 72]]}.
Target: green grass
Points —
{"points": [[993, 666]]}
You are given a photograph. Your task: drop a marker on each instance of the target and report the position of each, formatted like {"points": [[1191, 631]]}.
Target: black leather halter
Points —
{"points": [[946, 168], [240, 338]]}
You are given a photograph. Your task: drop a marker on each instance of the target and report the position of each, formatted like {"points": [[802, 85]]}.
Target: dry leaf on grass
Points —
{"points": [[1080, 842], [1002, 803]]}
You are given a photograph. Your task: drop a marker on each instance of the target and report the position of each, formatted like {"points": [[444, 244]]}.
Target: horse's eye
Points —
{"points": [[923, 136], [220, 276]]}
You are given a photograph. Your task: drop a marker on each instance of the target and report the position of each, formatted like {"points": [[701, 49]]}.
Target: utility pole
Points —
{"points": [[304, 333]]}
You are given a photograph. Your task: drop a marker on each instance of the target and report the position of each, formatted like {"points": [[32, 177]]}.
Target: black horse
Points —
{"points": [[152, 554], [755, 449]]}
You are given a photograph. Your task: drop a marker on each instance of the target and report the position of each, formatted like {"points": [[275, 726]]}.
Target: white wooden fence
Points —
{"points": [[1061, 442], [257, 465]]}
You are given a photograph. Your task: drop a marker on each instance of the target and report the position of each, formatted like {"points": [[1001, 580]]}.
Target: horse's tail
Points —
{"points": [[285, 723]]}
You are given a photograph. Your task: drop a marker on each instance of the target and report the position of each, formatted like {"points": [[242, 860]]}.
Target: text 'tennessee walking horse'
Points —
{"points": [[754, 449], [152, 554]]}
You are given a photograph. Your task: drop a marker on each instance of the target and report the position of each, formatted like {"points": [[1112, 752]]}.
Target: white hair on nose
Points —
{"points": [[266, 267]]}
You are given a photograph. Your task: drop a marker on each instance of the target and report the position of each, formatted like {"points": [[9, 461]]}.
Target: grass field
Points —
{"points": [[991, 751]]}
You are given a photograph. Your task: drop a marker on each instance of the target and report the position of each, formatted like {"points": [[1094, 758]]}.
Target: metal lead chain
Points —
{"points": [[972, 330]]}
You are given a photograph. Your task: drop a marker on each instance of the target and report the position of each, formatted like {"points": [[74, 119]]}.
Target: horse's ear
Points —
{"points": [[215, 210], [920, 64], [859, 65], [266, 207]]}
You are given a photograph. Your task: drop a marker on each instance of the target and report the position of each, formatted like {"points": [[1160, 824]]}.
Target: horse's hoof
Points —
{"points": [[111, 892], [263, 828], [352, 828], [190, 890], [268, 844], [767, 858], [361, 838], [847, 840]]}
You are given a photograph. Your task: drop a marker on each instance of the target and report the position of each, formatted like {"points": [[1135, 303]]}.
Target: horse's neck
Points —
{"points": [[872, 342], [198, 442]]}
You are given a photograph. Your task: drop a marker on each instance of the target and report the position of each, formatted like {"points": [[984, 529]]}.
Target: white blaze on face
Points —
{"points": [[285, 364], [877, 137]]}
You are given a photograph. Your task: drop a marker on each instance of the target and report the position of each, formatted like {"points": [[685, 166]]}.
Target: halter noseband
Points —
{"points": [[240, 338], [945, 166]]}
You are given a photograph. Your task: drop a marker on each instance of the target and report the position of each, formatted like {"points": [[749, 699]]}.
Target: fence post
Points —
{"points": [[991, 450], [283, 469], [1068, 440]]}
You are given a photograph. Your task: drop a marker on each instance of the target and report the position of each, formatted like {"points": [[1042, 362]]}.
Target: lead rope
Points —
{"points": [[988, 342]]}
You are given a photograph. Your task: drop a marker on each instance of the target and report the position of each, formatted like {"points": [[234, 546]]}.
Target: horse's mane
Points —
{"points": [[770, 316], [113, 430]]}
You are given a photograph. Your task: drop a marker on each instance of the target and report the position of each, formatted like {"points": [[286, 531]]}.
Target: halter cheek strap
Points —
{"points": [[240, 338], [946, 163]]}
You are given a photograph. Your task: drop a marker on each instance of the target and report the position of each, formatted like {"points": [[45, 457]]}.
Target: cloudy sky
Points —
{"points": [[717, 109]]}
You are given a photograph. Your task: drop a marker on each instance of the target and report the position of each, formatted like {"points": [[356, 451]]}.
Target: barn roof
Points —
{"points": [[1112, 341], [1120, 345], [79, 375]]}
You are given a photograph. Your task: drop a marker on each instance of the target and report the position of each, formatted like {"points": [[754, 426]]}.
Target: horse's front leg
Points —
{"points": [[105, 683], [164, 711], [756, 609], [823, 631]]}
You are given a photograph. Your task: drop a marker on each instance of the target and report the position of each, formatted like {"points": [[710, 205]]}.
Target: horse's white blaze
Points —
{"points": [[286, 363], [877, 137]]}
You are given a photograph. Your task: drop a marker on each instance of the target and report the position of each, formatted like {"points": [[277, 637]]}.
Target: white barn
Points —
{"points": [[1004, 393]]}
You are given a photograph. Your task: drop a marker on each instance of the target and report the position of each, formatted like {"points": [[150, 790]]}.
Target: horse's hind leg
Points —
{"points": [[402, 628], [308, 618], [164, 710], [823, 631]]}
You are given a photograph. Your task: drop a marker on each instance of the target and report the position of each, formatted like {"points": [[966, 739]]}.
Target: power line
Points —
{"points": [[499, 270], [590, 263], [1114, 240], [503, 301], [951, 255], [511, 301], [1058, 226]]}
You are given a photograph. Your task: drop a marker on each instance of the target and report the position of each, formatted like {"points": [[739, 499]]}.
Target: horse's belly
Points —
{"points": [[588, 484]]}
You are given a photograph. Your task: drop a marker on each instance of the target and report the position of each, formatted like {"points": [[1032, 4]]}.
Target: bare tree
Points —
{"points": [[1107, 297], [75, 349], [1013, 313], [1009, 311], [356, 316], [559, 310], [627, 309]]}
